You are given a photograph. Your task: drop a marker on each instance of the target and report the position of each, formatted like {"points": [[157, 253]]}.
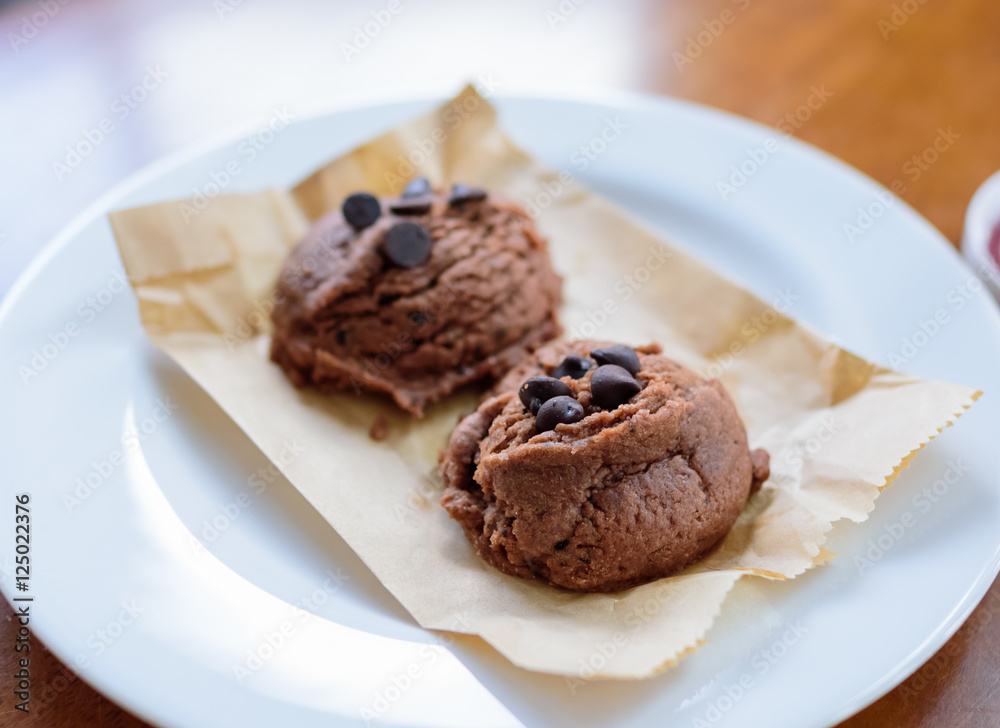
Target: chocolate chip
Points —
{"points": [[535, 405], [465, 193], [418, 187], [413, 206], [543, 389], [612, 386], [361, 210], [560, 545], [558, 410], [618, 354], [407, 244], [574, 366]]}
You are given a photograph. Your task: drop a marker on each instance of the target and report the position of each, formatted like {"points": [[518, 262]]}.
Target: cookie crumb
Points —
{"points": [[380, 429], [761, 462]]}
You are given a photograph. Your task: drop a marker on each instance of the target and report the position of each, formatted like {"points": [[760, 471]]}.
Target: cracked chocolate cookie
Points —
{"points": [[626, 473], [414, 296]]}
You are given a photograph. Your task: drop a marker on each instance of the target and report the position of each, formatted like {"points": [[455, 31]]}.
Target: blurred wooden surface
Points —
{"points": [[894, 80], [883, 83]]}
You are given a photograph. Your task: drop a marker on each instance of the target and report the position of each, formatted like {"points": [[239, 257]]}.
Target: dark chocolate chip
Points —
{"points": [[465, 193], [361, 210], [542, 388], [407, 244], [535, 405], [558, 410], [612, 386], [411, 206], [618, 354], [418, 187], [560, 545], [574, 366]]}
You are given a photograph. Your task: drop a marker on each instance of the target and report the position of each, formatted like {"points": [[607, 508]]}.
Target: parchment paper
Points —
{"points": [[838, 428]]}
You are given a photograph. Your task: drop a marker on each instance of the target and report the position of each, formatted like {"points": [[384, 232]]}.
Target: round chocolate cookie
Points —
{"points": [[414, 296], [642, 485]]}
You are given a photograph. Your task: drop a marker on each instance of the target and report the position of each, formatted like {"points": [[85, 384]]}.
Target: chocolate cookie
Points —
{"points": [[415, 295], [632, 479]]}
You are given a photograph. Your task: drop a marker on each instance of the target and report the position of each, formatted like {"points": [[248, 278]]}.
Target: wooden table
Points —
{"points": [[870, 81]]}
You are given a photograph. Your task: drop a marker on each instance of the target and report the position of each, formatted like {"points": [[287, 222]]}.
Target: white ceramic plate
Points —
{"points": [[805, 653]]}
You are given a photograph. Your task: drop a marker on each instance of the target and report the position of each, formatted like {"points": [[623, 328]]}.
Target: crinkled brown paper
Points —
{"points": [[838, 428]]}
